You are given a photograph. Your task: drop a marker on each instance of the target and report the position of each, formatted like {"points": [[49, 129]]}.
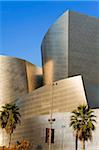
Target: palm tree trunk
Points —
{"points": [[83, 144], [76, 143], [10, 139]]}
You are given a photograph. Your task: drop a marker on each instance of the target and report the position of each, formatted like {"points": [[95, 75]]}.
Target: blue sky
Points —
{"points": [[23, 24]]}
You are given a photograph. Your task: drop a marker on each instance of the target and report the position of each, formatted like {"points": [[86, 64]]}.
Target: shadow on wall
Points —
{"points": [[39, 147], [92, 92], [39, 80], [34, 132]]}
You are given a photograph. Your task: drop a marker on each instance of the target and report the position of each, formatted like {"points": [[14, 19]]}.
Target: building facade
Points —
{"points": [[71, 47], [70, 55]]}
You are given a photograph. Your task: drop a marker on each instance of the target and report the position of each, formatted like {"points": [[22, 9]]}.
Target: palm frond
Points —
{"points": [[82, 120]]}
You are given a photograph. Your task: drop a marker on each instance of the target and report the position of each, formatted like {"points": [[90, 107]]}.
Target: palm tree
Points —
{"points": [[9, 118], [82, 121]]}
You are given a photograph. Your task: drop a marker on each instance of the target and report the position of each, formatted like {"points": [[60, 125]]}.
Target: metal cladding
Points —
{"points": [[34, 104], [17, 77], [66, 94], [71, 47], [55, 51]]}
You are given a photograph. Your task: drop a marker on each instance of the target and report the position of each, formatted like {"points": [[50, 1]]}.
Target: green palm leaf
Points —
{"points": [[82, 121]]}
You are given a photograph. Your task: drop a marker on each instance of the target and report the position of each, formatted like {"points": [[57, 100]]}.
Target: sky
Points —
{"points": [[23, 24]]}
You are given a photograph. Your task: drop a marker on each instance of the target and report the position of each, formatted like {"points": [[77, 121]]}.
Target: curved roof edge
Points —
{"points": [[61, 15], [57, 19], [18, 59]]}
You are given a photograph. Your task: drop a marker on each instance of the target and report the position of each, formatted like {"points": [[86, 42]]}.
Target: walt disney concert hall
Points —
{"points": [[69, 77]]}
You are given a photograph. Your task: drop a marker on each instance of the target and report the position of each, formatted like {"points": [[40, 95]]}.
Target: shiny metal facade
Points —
{"points": [[71, 47]]}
